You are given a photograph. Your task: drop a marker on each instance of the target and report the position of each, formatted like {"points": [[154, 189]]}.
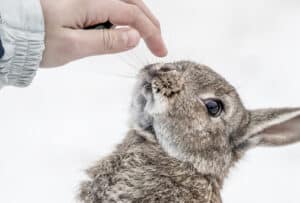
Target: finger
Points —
{"points": [[146, 10], [96, 42], [121, 13]]}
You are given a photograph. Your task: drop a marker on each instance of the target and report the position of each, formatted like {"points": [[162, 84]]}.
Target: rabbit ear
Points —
{"points": [[273, 127]]}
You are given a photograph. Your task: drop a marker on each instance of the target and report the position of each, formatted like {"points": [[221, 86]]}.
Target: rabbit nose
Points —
{"points": [[156, 70], [167, 68]]}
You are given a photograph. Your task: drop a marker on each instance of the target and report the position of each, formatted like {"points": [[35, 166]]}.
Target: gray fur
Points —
{"points": [[175, 151]]}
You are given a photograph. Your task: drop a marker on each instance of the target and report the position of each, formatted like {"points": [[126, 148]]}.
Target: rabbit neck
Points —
{"points": [[215, 162], [145, 152], [203, 165]]}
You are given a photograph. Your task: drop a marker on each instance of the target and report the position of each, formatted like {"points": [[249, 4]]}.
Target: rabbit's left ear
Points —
{"points": [[273, 127]]}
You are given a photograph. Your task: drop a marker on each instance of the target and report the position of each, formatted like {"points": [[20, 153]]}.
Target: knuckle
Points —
{"points": [[157, 23], [132, 1], [108, 40], [135, 12], [135, 1]]}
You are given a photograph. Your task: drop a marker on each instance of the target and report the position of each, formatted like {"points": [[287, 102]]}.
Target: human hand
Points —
{"points": [[66, 40]]}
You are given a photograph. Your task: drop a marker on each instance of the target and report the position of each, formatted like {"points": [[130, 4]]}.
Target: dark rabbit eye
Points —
{"points": [[214, 107]]}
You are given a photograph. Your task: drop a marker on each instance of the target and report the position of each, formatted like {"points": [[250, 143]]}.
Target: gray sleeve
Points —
{"points": [[22, 35]]}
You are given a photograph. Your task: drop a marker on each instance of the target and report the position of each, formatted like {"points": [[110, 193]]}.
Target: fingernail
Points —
{"points": [[132, 37], [164, 50], [161, 51]]}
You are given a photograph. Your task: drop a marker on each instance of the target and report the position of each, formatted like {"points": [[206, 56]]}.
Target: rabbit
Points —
{"points": [[188, 128]]}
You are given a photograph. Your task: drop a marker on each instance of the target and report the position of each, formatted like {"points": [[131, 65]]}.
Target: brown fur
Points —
{"points": [[176, 151]]}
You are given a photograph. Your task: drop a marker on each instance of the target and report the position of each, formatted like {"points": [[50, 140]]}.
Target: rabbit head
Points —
{"points": [[197, 116]]}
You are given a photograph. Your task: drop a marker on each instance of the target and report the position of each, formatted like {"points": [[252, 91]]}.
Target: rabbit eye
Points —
{"points": [[214, 107]]}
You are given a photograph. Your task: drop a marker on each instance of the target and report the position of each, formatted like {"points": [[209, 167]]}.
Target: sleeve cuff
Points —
{"points": [[22, 35]]}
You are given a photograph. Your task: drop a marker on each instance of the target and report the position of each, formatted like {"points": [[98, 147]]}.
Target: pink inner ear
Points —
{"points": [[283, 134]]}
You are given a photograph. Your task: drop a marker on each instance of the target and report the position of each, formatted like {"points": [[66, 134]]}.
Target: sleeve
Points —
{"points": [[22, 36]]}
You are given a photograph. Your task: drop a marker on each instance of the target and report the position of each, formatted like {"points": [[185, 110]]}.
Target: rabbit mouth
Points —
{"points": [[157, 86], [149, 98], [147, 90], [144, 97], [161, 79]]}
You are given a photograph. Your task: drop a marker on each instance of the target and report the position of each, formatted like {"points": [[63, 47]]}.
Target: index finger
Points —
{"points": [[121, 13]]}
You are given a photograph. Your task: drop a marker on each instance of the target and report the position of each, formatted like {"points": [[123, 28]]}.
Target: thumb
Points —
{"points": [[105, 41]]}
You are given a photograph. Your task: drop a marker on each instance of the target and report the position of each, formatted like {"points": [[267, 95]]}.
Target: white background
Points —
{"points": [[71, 116]]}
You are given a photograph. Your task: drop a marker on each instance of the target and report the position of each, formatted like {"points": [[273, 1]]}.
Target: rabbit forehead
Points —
{"points": [[201, 78]]}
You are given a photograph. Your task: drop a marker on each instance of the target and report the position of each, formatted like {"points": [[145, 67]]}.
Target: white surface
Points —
{"points": [[72, 116]]}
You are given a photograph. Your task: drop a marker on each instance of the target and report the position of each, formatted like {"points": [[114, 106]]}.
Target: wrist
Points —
{"points": [[22, 35]]}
